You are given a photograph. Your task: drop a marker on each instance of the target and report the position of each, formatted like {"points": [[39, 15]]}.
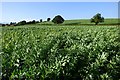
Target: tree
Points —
{"points": [[36, 21], [97, 19], [21, 22], [3, 25], [33, 21], [48, 19], [40, 20], [58, 19], [13, 23]]}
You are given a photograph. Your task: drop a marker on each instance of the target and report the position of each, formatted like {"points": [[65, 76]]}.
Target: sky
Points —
{"points": [[18, 11], [60, 0]]}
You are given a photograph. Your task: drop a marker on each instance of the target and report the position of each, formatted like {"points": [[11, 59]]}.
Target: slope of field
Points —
{"points": [[60, 53], [109, 21]]}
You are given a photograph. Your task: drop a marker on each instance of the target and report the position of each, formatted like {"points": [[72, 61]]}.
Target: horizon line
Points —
{"points": [[46, 20]]}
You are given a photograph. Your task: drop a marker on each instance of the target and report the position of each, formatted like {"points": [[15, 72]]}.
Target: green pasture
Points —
{"points": [[109, 21]]}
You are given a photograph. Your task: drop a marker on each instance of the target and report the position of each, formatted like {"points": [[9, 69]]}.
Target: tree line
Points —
{"points": [[57, 20]]}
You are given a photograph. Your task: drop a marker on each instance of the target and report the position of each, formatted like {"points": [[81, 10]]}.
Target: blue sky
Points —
{"points": [[18, 11]]}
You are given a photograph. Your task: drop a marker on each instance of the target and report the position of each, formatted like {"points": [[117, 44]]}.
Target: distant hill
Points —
{"points": [[109, 21]]}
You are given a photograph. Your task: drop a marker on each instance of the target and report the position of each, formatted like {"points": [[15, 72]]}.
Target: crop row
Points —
{"points": [[61, 53]]}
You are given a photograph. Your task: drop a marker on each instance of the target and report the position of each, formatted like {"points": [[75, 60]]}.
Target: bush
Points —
{"points": [[58, 19]]}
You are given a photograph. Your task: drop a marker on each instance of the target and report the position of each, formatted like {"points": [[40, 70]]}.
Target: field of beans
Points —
{"points": [[34, 52]]}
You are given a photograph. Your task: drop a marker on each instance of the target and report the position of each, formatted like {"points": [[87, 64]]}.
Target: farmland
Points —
{"points": [[60, 52], [107, 21]]}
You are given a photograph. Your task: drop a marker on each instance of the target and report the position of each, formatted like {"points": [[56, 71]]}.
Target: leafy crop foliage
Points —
{"points": [[61, 53]]}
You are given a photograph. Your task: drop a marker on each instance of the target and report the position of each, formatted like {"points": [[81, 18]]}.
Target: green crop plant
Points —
{"points": [[61, 53]]}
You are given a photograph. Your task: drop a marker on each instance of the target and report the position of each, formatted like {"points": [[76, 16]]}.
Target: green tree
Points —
{"points": [[33, 21], [48, 19], [97, 19], [11, 23], [40, 20], [58, 19], [21, 22]]}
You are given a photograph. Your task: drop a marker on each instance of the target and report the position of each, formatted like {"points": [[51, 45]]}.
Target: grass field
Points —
{"points": [[109, 21], [61, 52]]}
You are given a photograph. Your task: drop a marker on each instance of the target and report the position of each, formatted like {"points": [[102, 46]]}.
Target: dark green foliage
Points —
{"points": [[48, 19], [97, 19], [37, 22], [31, 22], [58, 19], [13, 23], [21, 23], [3, 25], [40, 20]]}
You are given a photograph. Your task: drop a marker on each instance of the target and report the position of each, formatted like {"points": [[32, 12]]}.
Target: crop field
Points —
{"points": [[60, 52]]}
